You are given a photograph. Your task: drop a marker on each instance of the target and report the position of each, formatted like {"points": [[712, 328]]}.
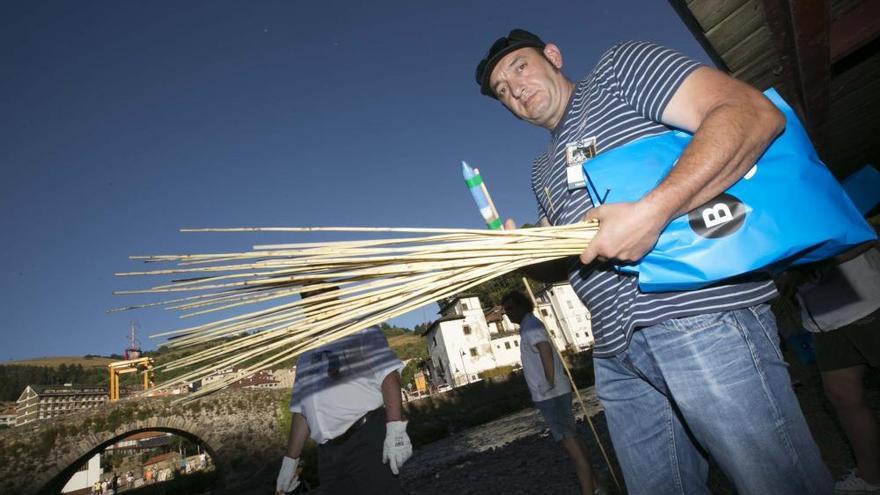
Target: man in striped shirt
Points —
{"points": [[681, 375]]}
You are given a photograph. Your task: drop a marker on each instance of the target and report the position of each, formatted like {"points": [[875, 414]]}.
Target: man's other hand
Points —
{"points": [[287, 478], [397, 448], [627, 231]]}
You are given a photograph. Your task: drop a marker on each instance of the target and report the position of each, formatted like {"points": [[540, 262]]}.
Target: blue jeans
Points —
{"points": [[713, 383]]}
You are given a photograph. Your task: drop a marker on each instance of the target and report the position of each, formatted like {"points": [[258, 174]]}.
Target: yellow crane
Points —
{"points": [[140, 365]]}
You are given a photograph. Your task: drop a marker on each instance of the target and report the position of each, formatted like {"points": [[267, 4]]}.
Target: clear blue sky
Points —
{"points": [[123, 121]]}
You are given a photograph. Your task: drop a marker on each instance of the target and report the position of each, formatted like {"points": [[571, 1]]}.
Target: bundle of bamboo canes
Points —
{"points": [[371, 280]]}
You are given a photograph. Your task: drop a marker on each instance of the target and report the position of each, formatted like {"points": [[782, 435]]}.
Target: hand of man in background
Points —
{"points": [[287, 478], [397, 448]]}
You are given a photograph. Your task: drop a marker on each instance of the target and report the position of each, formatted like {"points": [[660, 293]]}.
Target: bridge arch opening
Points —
{"points": [[194, 467]]}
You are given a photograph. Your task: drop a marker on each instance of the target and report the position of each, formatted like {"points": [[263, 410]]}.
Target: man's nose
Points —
{"points": [[516, 89]]}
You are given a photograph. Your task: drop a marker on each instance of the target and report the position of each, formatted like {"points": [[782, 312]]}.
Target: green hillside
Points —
{"points": [[54, 361]]}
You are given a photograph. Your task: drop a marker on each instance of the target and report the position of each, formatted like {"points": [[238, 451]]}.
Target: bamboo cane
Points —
{"points": [[379, 318], [375, 280]]}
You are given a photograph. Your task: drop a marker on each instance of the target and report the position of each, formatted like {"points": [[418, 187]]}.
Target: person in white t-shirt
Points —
{"points": [[548, 385], [346, 397]]}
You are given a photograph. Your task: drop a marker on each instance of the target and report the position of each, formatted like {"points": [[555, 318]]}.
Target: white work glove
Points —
{"points": [[397, 447], [287, 478]]}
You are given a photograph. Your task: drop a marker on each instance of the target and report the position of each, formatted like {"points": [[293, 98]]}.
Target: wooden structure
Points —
{"points": [[823, 56], [141, 365]]}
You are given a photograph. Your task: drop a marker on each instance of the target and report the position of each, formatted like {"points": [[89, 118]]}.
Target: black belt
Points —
{"points": [[354, 427]]}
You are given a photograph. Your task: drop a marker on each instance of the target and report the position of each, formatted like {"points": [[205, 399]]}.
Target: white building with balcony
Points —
{"points": [[460, 344], [38, 402], [466, 341], [565, 316], [504, 337]]}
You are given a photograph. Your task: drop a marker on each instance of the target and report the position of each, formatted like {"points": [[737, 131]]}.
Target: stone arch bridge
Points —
{"points": [[240, 428]]}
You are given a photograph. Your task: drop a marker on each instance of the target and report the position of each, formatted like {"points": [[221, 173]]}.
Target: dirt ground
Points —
{"points": [[516, 455]]}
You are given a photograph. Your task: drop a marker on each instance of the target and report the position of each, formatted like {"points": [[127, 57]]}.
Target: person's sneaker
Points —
{"points": [[599, 491], [853, 485]]}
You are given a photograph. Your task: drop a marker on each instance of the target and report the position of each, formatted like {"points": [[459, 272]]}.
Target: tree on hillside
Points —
{"points": [[392, 331], [14, 378], [406, 376], [421, 327], [410, 350], [491, 292]]}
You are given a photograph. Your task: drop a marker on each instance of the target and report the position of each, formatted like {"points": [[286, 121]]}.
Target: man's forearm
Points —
{"points": [[727, 144], [391, 397], [299, 432], [546, 354]]}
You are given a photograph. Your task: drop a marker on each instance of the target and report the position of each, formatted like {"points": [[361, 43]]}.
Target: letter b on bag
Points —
{"points": [[720, 217], [716, 215]]}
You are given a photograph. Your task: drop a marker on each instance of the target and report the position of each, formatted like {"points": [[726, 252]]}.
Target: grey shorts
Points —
{"points": [[558, 416]]}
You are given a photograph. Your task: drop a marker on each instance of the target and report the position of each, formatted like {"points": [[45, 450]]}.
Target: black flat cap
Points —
{"points": [[518, 38]]}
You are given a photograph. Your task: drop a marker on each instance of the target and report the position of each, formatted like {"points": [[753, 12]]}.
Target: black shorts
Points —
{"points": [[852, 345]]}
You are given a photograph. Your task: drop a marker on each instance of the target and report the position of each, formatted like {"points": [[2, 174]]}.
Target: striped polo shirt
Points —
{"points": [[622, 100]]}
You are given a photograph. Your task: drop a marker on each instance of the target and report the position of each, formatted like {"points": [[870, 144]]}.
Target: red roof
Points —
{"points": [[496, 313]]}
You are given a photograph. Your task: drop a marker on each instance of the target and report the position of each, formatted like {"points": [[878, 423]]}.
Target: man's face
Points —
{"points": [[530, 86]]}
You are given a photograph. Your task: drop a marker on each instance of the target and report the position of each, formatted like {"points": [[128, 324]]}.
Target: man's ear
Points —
{"points": [[553, 54]]}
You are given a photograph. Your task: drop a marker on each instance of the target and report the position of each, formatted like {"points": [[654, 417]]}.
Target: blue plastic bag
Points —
{"points": [[787, 210], [863, 188]]}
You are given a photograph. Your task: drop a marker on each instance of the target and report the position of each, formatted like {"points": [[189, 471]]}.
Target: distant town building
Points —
{"points": [[7, 416], [462, 345], [268, 379], [233, 371], [466, 340], [505, 338], [38, 402], [85, 477], [260, 379], [565, 316], [144, 441]]}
